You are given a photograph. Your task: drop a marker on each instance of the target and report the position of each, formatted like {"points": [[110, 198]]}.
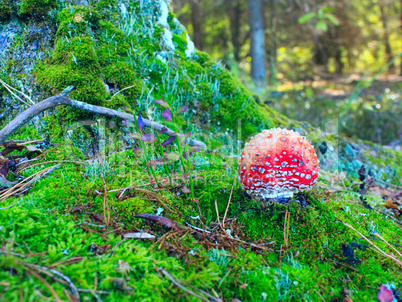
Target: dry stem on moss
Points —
{"points": [[181, 286], [64, 99], [375, 247]]}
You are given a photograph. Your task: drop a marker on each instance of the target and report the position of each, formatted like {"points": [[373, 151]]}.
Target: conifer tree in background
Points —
{"points": [[257, 43]]}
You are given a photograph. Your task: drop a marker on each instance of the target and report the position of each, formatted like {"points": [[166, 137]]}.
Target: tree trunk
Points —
{"points": [[338, 60], [337, 40], [235, 13], [320, 55], [257, 47], [273, 43], [400, 33], [388, 52], [196, 21]]}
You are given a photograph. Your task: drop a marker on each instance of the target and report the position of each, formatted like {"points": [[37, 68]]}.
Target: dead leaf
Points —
{"points": [[78, 209], [395, 194], [139, 235], [385, 295], [362, 172], [186, 190], [162, 220], [376, 191], [389, 204], [123, 267], [339, 176], [11, 146], [4, 168], [120, 283]]}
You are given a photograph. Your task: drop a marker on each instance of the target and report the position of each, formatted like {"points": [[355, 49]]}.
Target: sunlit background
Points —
{"points": [[323, 60]]}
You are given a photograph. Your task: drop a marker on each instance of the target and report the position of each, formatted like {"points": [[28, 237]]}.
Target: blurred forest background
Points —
{"points": [[312, 60]]}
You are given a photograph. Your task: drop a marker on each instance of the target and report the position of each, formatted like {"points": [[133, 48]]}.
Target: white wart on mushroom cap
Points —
{"points": [[276, 163]]}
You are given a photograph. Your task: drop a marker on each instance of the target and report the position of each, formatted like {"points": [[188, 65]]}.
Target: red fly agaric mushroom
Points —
{"points": [[276, 163]]}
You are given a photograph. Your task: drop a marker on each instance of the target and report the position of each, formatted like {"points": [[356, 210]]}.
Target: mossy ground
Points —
{"points": [[44, 226]]}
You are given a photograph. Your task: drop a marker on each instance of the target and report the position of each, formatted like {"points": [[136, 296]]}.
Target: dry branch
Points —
{"points": [[375, 248], [64, 99], [49, 287], [181, 286]]}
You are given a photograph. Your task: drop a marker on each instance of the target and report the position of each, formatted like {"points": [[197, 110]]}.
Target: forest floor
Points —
{"points": [[100, 229]]}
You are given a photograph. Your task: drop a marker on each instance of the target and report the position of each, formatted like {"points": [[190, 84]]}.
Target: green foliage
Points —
{"points": [[322, 16], [5, 10], [38, 9], [372, 115], [122, 75]]}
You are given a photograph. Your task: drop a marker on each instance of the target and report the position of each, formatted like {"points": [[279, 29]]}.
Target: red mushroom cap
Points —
{"points": [[277, 163]]}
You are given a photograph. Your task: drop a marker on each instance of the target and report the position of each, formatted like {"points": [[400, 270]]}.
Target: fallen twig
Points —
{"points": [[179, 285], [101, 292], [103, 236], [91, 224], [232, 238], [8, 87], [51, 162], [343, 264], [52, 273], [166, 236], [217, 215], [106, 208], [21, 186], [286, 228], [379, 236], [7, 207], [158, 198], [198, 229], [139, 235], [67, 261], [49, 287], [230, 198], [376, 248], [162, 220], [64, 99]]}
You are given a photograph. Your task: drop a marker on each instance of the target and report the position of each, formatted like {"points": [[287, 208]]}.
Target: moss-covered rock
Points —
{"points": [[38, 9]]}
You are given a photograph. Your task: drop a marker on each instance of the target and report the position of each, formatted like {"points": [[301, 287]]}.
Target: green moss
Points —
{"points": [[5, 10], [118, 101], [78, 54], [171, 18], [106, 5], [76, 21], [204, 59], [37, 8], [132, 206], [46, 220], [193, 68], [180, 42], [88, 88], [113, 44], [122, 76]]}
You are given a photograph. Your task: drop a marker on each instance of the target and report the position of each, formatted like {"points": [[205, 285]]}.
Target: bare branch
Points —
{"points": [[64, 99]]}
